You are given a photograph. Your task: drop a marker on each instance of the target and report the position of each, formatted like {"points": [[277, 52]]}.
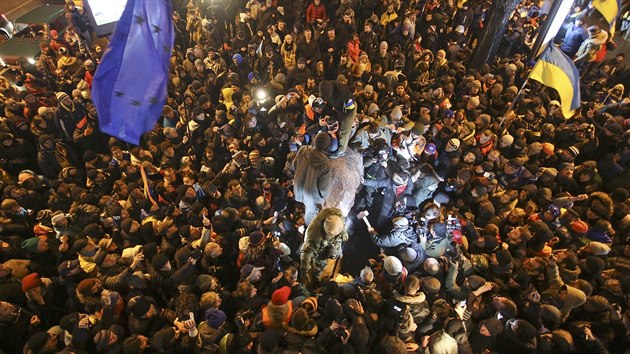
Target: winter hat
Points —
{"points": [[66, 267], [309, 304], [408, 254], [522, 332], [504, 257], [400, 221], [431, 285], [400, 178], [333, 225], [550, 316], [256, 238], [300, 319], [367, 275], [548, 149], [579, 227], [333, 309], [475, 282], [597, 304], [598, 249], [238, 58], [521, 277], [159, 261], [373, 108], [281, 296], [100, 257], [215, 318], [452, 145], [593, 265], [396, 113], [322, 141], [562, 340], [506, 140], [493, 325], [139, 306], [474, 101], [384, 45], [37, 341], [30, 244], [31, 282], [418, 129], [392, 265]]}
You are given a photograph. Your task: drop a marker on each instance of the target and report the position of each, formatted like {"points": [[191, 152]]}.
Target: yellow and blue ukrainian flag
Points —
{"points": [[556, 70], [608, 8], [130, 83]]}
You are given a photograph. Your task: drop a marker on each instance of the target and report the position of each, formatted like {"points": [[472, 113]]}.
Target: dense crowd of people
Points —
{"points": [[502, 225]]}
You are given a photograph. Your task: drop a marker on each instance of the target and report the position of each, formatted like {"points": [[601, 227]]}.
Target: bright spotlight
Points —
{"points": [[261, 95]]}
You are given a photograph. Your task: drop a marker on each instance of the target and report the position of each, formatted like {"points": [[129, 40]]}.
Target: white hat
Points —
{"points": [[286, 251], [452, 145], [367, 274], [598, 248], [392, 265], [400, 221], [129, 253]]}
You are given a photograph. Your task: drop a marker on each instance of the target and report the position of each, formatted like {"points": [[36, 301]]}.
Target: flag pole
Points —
{"points": [[520, 90]]}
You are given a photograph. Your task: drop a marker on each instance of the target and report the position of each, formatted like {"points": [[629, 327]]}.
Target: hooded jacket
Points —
{"points": [[301, 340], [396, 237], [312, 181], [589, 47]]}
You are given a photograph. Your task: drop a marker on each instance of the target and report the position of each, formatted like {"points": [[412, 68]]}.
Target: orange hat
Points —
{"points": [[547, 148], [579, 227]]}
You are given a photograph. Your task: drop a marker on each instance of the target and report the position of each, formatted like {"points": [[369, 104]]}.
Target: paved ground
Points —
{"points": [[16, 8]]}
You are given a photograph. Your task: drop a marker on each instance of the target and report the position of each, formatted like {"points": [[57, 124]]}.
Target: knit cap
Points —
{"points": [[392, 265], [215, 318], [281, 296], [31, 282]]}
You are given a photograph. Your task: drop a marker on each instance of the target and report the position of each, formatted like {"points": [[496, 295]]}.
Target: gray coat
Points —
{"points": [[396, 237], [312, 181]]}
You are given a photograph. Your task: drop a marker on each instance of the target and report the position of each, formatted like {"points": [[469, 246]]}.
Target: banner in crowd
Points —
{"points": [[130, 83]]}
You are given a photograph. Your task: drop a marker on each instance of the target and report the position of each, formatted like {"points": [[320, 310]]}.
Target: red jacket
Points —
{"points": [[315, 12]]}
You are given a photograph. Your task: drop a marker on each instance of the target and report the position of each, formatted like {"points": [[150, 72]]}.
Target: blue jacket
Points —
{"points": [[573, 39]]}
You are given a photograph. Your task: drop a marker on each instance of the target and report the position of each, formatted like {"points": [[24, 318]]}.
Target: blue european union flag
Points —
{"points": [[129, 89]]}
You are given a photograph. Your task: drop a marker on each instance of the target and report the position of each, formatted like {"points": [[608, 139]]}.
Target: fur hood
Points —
{"points": [[310, 332], [411, 300]]}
